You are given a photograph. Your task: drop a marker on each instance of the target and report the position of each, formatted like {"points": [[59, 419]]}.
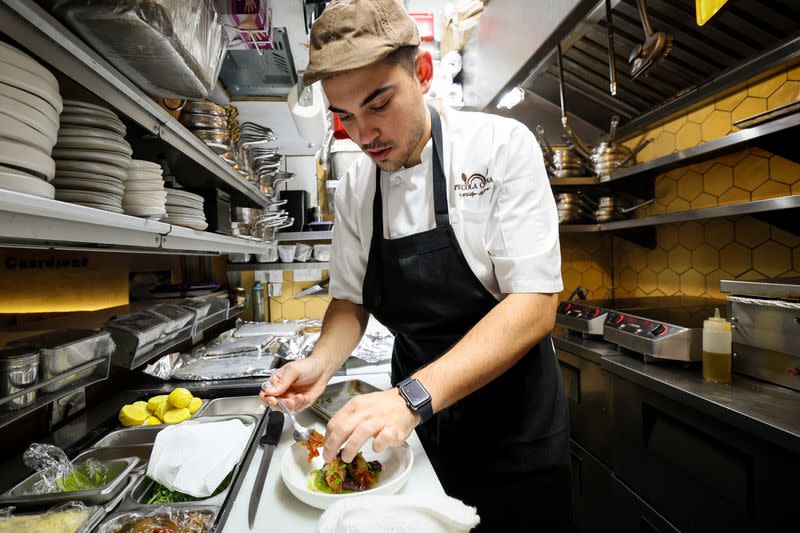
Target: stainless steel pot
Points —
{"points": [[205, 108], [19, 369], [198, 121]]}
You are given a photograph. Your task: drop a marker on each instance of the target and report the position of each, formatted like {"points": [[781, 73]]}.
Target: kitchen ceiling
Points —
{"points": [[743, 40]]}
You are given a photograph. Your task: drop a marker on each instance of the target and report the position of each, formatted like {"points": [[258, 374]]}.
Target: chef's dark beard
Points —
{"points": [[396, 163]]}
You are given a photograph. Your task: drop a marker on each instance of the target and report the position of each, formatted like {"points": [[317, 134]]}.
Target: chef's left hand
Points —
{"points": [[383, 415]]}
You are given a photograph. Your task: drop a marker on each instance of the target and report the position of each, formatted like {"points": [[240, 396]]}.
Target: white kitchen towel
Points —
{"points": [[398, 514], [194, 457]]}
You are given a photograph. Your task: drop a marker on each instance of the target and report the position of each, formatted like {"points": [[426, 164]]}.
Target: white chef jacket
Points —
{"points": [[499, 200]]}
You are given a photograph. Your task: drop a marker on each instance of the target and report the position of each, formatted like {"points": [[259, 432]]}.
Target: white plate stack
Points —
{"points": [[29, 108], [185, 209], [144, 190], [91, 156]]}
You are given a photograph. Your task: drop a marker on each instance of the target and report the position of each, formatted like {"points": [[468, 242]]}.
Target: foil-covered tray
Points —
{"points": [[338, 394]]}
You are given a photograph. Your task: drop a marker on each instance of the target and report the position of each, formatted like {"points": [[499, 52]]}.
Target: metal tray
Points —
{"points": [[114, 520], [338, 394], [21, 494], [96, 514], [109, 453], [250, 405], [147, 434]]}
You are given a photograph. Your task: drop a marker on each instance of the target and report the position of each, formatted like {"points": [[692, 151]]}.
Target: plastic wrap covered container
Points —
{"points": [[175, 316], [72, 517], [169, 48], [64, 349]]}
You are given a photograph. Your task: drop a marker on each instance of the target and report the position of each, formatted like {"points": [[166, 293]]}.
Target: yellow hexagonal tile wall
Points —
{"points": [[732, 159], [749, 107], [784, 170], [712, 282], [704, 200], [796, 259], [293, 309], [593, 279], [787, 93], [717, 125], [772, 259], [316, 307], [668, 282], [679, 204], [766, 87], [690, 185], [629, 279], [701, 115], [657, 260], [692, 283], [771, 189], [736, 259], [648, 280], [751, 172], [679, 259], [730, 102], [663, 144], [784, 237], [751, 232], [718, 179], [705, 259], [690, 235], [718, 232], [689, 135], [734, 195]]}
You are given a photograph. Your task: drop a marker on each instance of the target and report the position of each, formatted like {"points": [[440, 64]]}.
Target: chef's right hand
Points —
{"points": [[297, 383]]}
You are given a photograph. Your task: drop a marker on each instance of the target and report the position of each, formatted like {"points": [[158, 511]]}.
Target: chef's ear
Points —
{"points": [[423, 68]]}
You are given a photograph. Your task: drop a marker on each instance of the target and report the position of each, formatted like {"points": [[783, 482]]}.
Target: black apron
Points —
{"points": [[423, 290]]}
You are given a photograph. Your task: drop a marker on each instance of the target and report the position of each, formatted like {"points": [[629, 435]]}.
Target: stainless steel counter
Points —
{"points": [[769, 412]]}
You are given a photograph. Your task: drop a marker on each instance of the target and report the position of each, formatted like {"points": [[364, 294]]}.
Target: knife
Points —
{"points": [[268, 441]]}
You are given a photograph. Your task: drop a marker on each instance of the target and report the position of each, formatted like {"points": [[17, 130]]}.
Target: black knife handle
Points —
{"points": [[274, 428]]}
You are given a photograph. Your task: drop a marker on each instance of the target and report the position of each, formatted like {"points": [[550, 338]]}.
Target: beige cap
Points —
{"points": [[355, 33]]}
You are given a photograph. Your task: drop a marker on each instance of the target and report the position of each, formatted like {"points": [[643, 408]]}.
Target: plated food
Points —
{"points": [[338, 477], [164, 520]]}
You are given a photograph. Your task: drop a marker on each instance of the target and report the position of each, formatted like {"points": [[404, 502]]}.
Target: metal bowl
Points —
{"points": [[198, 121], [205, 108]]}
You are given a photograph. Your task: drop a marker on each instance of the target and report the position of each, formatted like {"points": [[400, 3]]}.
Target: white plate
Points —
{"points": [[13, 129], [200, 226], [9, 54], [68, 195], [15, 180], [87, 185], [95, 143], [186, 204], [396, 463], [93, 167], [142, 186], [73, 119], [139, 174], [110, 208], [87, 105], [138, 200], [88, 131], [30, 100], [29, 115], [144, 211], [180, 210], [79, 110], [22, 79], [143, 164], [185, 194], [73, 174], [26, 158], [100, 156]]}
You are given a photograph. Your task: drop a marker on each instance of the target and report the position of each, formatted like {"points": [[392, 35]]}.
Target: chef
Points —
{"points": [[446, 231]]}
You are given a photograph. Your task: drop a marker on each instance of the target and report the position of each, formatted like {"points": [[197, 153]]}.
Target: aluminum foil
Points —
{"points": [[376, 344], [297, 347]]}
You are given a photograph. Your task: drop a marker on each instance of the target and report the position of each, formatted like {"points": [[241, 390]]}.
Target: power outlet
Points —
{"points": [[67, 406]]}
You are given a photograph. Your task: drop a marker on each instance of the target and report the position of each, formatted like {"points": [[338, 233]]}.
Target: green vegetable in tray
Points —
{"points": [[161, 494], [84, 477]]}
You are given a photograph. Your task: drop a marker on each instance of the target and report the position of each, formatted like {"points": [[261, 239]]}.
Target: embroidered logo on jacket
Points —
{"points": [[473, 185]]}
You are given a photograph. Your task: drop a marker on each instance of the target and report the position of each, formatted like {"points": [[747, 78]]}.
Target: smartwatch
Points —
{"points": [[417, 398]]}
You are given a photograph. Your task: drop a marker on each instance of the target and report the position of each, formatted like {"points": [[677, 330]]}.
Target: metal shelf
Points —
{"points": [[781, 212], [778, 136], [304, 236], [31, 221], [45, 37], [247, 267], [97, 369]]}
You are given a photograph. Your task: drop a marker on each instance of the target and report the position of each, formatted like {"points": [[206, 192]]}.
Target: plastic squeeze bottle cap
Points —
{"points": [[716, 323]]}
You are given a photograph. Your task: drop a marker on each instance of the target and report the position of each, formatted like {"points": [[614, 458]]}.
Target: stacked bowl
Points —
{"points": [[92, 157], [209, 122], [144, 190], [29, 107], [185, 209]]}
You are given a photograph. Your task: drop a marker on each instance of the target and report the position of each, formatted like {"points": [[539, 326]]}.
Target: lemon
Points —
{"points": [[155, 401], [194, 404], [143, 405], [161, 409], [131, 415], [174, 416], [180, 397], [152, 421]]}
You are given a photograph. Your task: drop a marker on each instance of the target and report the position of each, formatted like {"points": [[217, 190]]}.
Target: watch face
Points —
{"points": [[415, 393]]}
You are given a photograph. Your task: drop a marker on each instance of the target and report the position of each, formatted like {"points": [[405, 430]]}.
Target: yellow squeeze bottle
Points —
{"points": [[717, 349]]}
